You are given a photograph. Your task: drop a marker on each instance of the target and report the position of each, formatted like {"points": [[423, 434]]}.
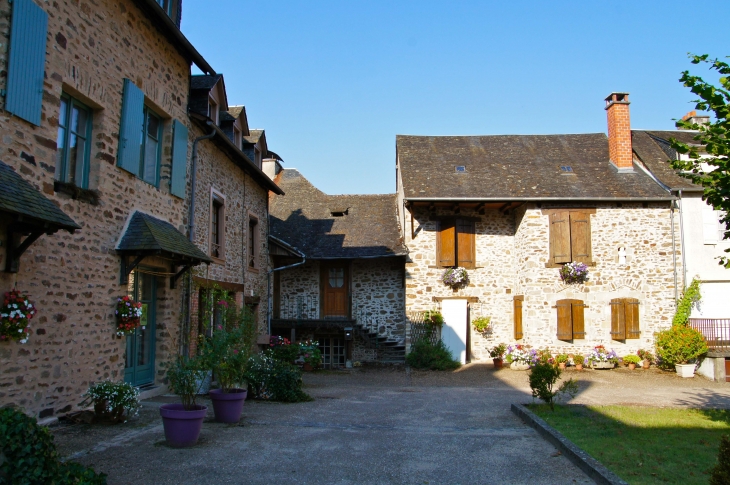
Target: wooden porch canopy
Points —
{"points": [[148, 236], [31, 215]]}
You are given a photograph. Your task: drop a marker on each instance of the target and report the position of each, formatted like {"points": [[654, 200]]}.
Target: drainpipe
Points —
{"points": [[674, 252], [191, 228], [268, 286], [681, 238]]}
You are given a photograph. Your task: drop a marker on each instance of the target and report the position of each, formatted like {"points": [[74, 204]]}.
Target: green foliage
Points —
{"points": [[631, 359], [562, 359], [497, 352], [30, 456], [186, 377], [425, 355], [274, 380], [679, 345], [482, 324], [715, 138], [310, 353], [721, 471], [285, 353], [433, 317], [645, 355], [543, 377], [579, 359], [112, 400], [545, 356], [689, 298]]}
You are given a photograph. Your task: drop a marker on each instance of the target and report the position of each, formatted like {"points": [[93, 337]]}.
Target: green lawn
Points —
{"points": [[645, 445]]}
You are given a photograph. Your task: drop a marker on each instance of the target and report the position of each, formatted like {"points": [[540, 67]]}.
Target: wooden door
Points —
{"points": [[139, 368], [336, 290]]}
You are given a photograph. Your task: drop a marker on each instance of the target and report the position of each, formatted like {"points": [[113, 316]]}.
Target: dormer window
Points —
{"points": [[237, 137], [213, 109], [257, 157]]}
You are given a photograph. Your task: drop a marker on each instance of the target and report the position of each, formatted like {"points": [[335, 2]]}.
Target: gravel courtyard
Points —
{"points": [[375, 426]]}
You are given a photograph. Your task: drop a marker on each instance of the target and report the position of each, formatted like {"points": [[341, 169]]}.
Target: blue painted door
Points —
{"points": [[139, 368]]}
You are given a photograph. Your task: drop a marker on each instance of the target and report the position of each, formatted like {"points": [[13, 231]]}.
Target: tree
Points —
{"points": [[714, 137]]}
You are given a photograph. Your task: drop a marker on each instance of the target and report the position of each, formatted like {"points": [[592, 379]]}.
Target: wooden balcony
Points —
{"points": [[716, 332]]}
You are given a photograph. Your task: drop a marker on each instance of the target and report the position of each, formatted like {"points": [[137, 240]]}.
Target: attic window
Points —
{"points": [[566, 168], [460, 169], [339, 213]]}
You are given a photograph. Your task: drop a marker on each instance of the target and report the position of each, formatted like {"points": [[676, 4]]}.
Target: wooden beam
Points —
{"points": [[15, 248], [480, 208], [128, 268], [456, 208], [176, 276], [507, 204]]}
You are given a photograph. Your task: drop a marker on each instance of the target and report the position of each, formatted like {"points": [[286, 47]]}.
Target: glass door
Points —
{"points": [[139, 368]]}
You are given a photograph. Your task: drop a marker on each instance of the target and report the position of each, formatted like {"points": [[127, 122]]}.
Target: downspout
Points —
{"points": [[268, 288], [674, 252], [191, 227], [681, 238]]}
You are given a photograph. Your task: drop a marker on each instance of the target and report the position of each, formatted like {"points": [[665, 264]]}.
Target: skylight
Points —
{"points": [[460, 169], [566, 168]]}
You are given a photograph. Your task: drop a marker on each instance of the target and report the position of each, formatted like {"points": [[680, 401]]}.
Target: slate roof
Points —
{"points": [[200, 86], [254, 136], [517, 167], [653, 149], [235, 111], [147, 234], [19, 197], [303, 219]]}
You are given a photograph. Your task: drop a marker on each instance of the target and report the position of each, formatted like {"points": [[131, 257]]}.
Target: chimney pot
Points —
{"points": [[619, 132]]}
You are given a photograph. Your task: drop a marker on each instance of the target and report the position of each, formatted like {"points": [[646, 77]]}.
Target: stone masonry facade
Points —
{"points": [[74, 279], [512, 251]]}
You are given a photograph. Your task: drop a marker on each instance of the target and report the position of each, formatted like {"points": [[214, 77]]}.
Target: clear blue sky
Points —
{"points": [[332, 83]]}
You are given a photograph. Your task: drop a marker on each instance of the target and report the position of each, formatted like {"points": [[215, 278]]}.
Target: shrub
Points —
{"points": [[679, 345], [631, 359], [425, 355], [281, 349], [481, 324], [545, 356], [186, 377], [689, 298], [721, 471], [113, 400], [433, 317], [275, 380], [543, 377], [30, 455]]}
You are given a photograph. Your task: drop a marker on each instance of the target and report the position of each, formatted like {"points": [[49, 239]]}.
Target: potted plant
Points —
{"points": [[112, 401], [228, 351], [15, 315], [310, 355], [520, 357], [497, 355], [600, 358], [433, 317], [280, 348], [574, 273], [646, 357], [455, 277], [631, 361], [562, 360], [579, 361], [680, 347], [482, 324], [129, 314], [182, 421]]}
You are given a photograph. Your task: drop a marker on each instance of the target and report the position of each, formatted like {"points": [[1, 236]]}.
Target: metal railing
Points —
{"points": [[715, 330], [298, 307], [420, 330]]}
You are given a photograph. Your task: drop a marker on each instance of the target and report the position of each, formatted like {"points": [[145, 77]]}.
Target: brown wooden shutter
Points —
{"points": [[580, 237], [560, 237], [618, 319], [565, 319], [518, 299], [632, 318], [579, 328], [446, 239], [465, 248]]}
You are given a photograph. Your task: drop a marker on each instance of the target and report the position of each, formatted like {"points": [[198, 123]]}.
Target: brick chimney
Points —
{"points": [[619, 132], [693, 117]]}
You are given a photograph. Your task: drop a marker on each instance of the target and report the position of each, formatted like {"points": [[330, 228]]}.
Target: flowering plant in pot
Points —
{"points": [[646, 357], [183, 421], [631, 360], [578, 361], [680, 347], [113, 401], [309, 354], [15, 315], [482, 324], [562, 360], [521, 357], [455, 277], [574, 273], [497, 354], [280, 348], [129, 314], [600, 358]]}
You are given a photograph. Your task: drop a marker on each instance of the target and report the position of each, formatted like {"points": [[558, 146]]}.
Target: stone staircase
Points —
{"points": [[389, 349]]}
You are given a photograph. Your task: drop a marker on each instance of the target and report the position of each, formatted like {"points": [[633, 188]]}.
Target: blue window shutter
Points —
{"points": [[27, 61], [130, 130], [179, 176]]}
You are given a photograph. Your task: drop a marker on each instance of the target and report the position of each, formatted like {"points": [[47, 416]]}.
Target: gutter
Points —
{"points": [[539, 199]]}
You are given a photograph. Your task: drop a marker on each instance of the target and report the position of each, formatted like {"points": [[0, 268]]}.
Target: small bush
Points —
{"points": [[543, 377], [562, 359], [721, 471], [425, 355], [497, 352], [275, 380], [679, 345], [631, 359], [30, 456]]}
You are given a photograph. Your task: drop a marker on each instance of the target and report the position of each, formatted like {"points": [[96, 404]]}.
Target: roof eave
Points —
{"points": [[538, 199]]}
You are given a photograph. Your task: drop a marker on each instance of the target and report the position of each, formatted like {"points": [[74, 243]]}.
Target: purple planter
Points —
{"points": [[228, 406], [182, 427]]}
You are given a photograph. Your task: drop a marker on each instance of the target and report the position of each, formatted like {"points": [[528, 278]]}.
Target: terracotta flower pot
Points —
{"points": [[561, 365], [646, 364], [632, 366], [498, 363], [578, 366]]}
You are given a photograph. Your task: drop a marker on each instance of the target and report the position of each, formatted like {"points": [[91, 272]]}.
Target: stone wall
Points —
{"points": [[74, 279]]}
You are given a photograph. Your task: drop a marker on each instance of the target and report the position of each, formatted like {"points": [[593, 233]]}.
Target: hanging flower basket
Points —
{"points": [[15, 314], [129, 314], [455, 277], [574, 273]]}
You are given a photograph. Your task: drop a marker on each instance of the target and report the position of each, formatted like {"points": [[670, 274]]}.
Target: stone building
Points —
{"points": [[513, 210], [95, 122], [231, 196], [348, 294]]}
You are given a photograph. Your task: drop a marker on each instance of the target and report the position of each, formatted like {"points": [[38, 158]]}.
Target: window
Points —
{"points": [[253, 241], [571, 325], [74, 133], [257, 156], [166, 6], [217, 226], [713, 230], [517, 302], [237, 137], [570, 237], [213, 109], [455, 243], [625, 319], [150, 147]]}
